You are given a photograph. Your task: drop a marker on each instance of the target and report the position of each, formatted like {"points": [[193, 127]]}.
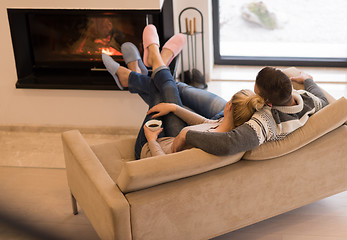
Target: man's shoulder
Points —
{"points": [[264, 114], [263, 123]]}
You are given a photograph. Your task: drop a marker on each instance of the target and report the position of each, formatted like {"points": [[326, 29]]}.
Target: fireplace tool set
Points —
{"points": [[193, 60]]}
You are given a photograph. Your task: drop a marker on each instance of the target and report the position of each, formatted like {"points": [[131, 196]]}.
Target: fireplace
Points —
{"points": [[61, 48]]}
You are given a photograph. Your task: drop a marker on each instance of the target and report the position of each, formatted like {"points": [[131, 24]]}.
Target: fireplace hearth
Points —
{"points": [[61, 48]]}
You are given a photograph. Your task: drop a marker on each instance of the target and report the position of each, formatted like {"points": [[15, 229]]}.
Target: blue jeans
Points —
{"points": [[161, 88], [200, 101], [203, 102]]}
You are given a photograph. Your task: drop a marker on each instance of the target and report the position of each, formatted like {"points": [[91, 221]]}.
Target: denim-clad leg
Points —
{"points": [[166, 84], [203, 102], [153, 100], [162, 88], [200, 101], [140, 84]]}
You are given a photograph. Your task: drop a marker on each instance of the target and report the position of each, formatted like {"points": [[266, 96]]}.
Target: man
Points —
{"points": [[285, 111]]}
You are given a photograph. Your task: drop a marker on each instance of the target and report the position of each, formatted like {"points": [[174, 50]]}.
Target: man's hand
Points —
{"points": [[162, 109], [301, 78], [150, 135], [180, 141]]}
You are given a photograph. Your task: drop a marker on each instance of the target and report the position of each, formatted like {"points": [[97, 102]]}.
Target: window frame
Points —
{"points": [[265, 61]]}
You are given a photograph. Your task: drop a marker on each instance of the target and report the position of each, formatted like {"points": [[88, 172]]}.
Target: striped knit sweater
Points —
{"points": [[267, 124]]}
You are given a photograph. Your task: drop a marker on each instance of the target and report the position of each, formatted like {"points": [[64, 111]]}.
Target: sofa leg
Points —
{"points": [[74, 205]]}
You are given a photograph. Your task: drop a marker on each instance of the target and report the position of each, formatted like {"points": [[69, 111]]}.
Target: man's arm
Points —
{"points": [[240, 139], [311, 86]]}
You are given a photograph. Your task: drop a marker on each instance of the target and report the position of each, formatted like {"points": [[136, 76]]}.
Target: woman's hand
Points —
{"points": [[162, 109], [227, 123], [228, 111], [150, 135]]}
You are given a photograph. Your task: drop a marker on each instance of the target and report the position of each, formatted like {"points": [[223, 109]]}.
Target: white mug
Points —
{"points": [[153, 124]]}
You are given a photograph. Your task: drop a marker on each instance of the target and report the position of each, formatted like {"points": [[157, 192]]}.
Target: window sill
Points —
{"points": [[249, 73]]}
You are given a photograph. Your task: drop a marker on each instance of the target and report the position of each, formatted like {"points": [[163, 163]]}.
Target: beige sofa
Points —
{"points": [[195, 195]]}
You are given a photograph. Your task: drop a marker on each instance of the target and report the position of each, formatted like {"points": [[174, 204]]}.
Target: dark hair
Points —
{"points": [[274, 86]]}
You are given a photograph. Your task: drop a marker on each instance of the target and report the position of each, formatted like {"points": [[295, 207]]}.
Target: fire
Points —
{"points": [[110, 51]]}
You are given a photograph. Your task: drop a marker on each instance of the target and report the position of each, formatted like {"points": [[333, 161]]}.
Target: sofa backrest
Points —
{"points": [[148, 172], [131, 175], [320, 123], [134, 175]]}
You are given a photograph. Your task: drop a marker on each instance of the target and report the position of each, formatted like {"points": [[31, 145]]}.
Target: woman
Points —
{"points": [[236, 112], [162, 89]]}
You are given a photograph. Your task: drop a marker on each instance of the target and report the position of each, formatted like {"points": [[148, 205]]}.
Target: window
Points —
{"points": [[278, 32]]}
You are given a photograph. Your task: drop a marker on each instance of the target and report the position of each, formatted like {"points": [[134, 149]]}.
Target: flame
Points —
{"points": [[110, 51]]}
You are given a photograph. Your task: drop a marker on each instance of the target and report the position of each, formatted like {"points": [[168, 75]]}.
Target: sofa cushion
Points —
{"points": [[152, 171], [322, 122], [113, 154], [109, 157]]}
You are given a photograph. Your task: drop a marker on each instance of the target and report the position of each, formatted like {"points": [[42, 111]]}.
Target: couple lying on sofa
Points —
{"points": [[216, 126]]}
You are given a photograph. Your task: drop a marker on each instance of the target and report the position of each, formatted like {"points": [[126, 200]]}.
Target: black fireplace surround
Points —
{"points": [[61, 48]]}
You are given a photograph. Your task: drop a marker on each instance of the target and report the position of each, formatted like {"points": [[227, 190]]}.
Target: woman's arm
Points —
{"points": [[155, 148], [152, 137], [191, 118]]}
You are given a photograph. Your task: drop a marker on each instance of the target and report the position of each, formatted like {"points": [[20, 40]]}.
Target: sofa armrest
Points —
{"points": [[148, 172], [103, 203]]}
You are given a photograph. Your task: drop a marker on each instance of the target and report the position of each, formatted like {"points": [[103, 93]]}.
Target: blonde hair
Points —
{"points": [[245, 103]]}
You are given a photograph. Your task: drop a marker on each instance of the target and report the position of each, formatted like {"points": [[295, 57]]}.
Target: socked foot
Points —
{"points": [[120, 74], [173, 47], [132, 58], [150, 37]]}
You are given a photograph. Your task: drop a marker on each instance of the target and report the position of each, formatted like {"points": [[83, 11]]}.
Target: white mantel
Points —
{"points": [[74, 107], [85, 4]]}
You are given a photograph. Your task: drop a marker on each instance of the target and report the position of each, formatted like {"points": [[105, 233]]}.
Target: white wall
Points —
{"points": [[67, 107]]}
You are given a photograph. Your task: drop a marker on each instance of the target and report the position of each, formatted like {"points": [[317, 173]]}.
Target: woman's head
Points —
{"points": [[274, 86], [244, 104]]}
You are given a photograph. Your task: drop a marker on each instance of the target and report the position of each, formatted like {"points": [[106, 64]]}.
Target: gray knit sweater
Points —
{"points": [[267, 124], [195, 122]]}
